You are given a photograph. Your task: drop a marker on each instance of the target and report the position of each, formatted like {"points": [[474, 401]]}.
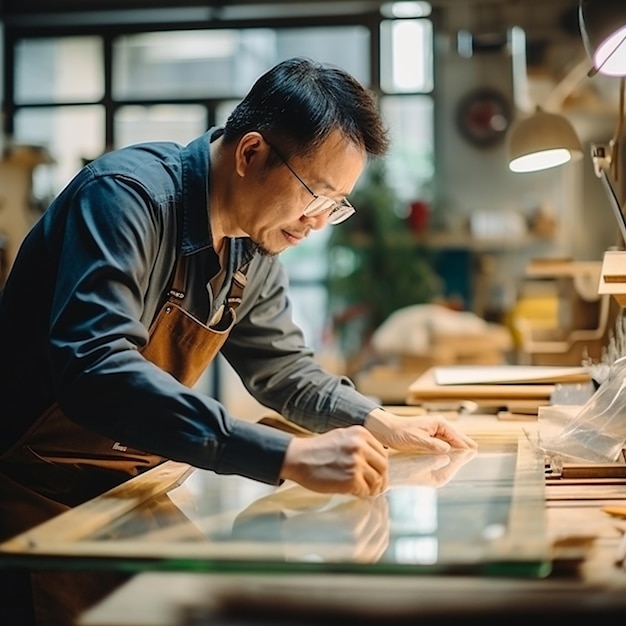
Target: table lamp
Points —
{"points": [[541, 141], [546, 140], [603, 30]]}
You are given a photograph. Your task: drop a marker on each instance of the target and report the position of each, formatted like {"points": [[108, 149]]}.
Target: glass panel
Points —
{"points": [[406, 9], [410, 162], [346, 46], [64, 69], [307, 266], [72, 134], [223, 110], [186, 64], [224, 63], [406, 57], [310, 311], [470, 511], [180, 123]]}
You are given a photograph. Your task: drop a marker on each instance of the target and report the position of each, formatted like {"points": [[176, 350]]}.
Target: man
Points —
{"points": [[157, 256]]}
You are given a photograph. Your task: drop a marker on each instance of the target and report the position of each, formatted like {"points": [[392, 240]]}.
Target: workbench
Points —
{"points": [[483, 536]]}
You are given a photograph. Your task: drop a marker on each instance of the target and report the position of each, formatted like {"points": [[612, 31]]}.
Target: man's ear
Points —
{"points": [[251, 151]]}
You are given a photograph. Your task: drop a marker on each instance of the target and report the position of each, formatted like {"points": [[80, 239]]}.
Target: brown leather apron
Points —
{"points": [[58, 463]]}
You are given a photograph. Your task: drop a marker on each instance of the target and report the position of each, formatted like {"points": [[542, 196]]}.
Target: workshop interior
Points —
{"points": [[483, 276]]}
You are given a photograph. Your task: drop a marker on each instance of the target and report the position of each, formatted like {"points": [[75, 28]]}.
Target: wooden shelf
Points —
{"points": [[465, 241], [27, 156]]}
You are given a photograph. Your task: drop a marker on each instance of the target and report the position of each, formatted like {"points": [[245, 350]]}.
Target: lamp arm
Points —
{"points": [[614, 201], [564, 88], [615, 142]]}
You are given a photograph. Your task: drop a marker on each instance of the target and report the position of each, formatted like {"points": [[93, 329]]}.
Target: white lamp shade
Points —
{"points": [[603, 30], [542, 141]]}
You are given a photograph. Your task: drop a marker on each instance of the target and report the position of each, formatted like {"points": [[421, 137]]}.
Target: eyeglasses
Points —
{"points": [[338, 211]]}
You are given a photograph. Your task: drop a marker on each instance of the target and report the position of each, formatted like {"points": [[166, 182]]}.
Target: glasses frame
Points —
{"points": [[338, 211]]}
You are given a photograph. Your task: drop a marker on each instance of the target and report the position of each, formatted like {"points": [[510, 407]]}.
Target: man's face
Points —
{"points": [[275, 217]]}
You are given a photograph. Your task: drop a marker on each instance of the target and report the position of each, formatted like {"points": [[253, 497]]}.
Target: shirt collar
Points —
{"points": [[196, 227]]}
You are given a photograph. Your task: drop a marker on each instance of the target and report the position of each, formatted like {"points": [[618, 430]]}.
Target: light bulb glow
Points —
{"points": [[610, 57], [540, 160]]}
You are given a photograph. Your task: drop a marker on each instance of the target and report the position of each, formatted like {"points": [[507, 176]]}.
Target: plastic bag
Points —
{"points": [[598, 432]]}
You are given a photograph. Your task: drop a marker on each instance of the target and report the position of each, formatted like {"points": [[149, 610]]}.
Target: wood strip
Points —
{"points": [[92, 515]]}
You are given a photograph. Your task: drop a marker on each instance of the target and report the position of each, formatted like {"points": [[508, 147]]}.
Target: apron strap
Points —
{"points": [[237, 285], [177, 289]]}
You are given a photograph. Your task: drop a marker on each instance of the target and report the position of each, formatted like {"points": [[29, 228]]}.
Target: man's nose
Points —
{"points": [[317, 222]]}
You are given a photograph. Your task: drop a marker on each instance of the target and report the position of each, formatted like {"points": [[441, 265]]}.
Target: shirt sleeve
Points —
{"points": [[109, 238], [267, 349]]}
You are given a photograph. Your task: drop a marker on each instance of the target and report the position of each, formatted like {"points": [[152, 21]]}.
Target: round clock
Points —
{"points": [[484, 116]]}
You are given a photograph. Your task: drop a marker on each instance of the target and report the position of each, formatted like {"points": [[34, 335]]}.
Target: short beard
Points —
{"points": [[259, 249]]}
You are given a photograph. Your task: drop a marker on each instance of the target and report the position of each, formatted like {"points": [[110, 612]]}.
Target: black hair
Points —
{"points": [[299, 102]]}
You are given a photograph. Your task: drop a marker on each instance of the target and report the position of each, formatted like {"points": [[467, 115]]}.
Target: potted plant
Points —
{"points": [[376, 265]]}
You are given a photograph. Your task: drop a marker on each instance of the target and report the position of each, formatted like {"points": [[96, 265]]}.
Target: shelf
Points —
{"points": [[464, 241]]}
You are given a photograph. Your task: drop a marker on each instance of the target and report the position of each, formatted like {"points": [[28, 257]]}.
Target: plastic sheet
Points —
{"points": [[598, 431]]}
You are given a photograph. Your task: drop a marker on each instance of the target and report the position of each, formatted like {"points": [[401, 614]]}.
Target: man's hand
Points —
{"points": [[344, 460], [419, 433]]}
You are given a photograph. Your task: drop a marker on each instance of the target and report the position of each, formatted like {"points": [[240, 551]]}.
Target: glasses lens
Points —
{"points": [[341, 212], [337, 211], [318, 206]]}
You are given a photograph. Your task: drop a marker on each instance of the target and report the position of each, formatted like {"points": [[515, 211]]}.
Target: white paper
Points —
{"points": [[505, 374]]}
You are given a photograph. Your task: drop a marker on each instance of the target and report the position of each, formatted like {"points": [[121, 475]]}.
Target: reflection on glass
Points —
{"points": [[60, 69], [456, 512], [422, 550]]}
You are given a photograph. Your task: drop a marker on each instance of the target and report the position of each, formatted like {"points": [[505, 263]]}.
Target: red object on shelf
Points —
{"points": [[418, 216]]}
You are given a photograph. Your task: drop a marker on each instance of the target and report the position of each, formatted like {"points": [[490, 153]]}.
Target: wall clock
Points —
{"points": [[484, 116]]}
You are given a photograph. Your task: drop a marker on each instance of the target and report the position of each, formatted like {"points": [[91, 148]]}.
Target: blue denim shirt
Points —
{"points": [[90, 277]]}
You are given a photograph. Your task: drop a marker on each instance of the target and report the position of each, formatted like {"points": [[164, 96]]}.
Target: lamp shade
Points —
{"points": [[603, 30], [542, 141]]}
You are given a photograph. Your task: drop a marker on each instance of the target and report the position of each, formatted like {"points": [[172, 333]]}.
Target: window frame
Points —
{"points": [[39, 27]]}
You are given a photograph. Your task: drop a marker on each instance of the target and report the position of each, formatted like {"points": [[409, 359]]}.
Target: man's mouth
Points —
{"points": [[294, 238]]}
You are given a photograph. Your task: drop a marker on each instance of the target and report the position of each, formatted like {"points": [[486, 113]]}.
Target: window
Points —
{"points": [[406, 56], [79, 95], [135, 123], [73, 134], [223, 63], [59, 70]]}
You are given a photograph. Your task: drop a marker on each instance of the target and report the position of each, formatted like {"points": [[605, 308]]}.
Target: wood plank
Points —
{"points": [[92, 515]]}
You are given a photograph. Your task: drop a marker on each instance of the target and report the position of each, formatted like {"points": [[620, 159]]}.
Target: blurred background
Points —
{"points": [[451, 257]]}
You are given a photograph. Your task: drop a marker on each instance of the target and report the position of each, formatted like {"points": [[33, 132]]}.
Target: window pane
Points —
{"points": [[65, 69], [72, 134], [307, 261], [310, 312], [223, 110], [346, 46], [307, 266], [180, 123], [224, 63], [406, 57], [185, 64], [410, 161]]}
